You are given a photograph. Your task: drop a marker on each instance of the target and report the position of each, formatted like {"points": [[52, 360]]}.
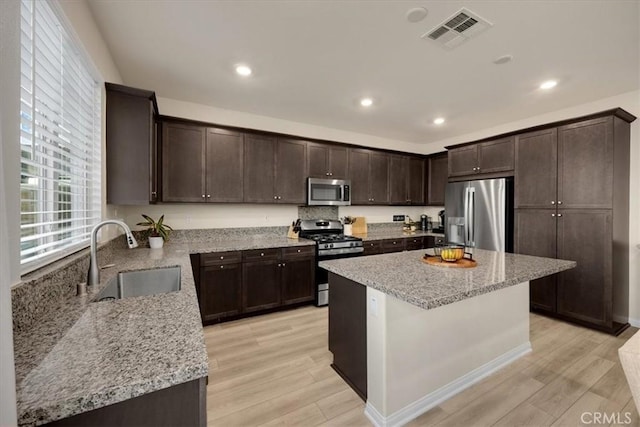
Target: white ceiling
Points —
{"points": [[313, 60]]}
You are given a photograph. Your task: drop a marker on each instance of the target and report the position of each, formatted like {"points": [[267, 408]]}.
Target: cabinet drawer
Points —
{"points": [[372, 247], [298, 252], [414, 243], [261, 254], [217, 258], [393, 245]]}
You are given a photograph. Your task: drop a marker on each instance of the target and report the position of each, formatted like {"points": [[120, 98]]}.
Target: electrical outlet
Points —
{"points": [[397, 218]]}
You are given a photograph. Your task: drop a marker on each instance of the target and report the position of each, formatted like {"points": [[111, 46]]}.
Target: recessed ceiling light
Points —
{"points": [[438, 121], [366, 102], [243, 70], [503, 59], [417, 14], [548, 84]]}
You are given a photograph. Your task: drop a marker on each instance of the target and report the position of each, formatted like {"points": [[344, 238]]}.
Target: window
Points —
{"points": [[59, 139]]}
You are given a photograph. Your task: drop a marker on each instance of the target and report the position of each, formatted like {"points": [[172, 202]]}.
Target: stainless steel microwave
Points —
{"points": [[328, 192]]}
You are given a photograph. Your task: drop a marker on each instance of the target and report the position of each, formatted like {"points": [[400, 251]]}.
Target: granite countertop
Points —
{"points": [[404, 275], [89, 355], [383, 234]]}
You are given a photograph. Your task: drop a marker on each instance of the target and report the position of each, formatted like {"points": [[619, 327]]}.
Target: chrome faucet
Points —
{"points": [[93, 277]]}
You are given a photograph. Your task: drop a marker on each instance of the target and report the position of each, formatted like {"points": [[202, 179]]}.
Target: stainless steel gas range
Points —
{"points": [[331, 243]]}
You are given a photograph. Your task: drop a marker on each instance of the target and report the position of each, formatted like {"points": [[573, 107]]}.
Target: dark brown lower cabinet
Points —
{"points": [[393, 245], [260, 285], [180, 405], [297, 284], [414, 243], [585, 292], [536, 235], [235, 284], [221, 296], [372, 247], [348, 331]]}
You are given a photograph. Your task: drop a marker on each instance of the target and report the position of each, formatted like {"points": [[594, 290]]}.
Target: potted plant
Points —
{"points": [[158, 231], [348, 222]]}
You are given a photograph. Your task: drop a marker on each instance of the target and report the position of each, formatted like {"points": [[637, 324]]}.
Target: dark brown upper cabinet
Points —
{"points": [[201, 164], [536, 174], [274, 170], [490, 159], [585, 164], [183, 162], [327, 161], [369, 174], [131, 146], [438, 176], [406, 180]]}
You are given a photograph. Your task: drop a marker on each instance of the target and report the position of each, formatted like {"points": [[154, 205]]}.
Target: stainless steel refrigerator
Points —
{"points": [[479, 214]]}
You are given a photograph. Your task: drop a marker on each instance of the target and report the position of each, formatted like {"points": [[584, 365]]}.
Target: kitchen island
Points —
{"points": [[406, 335]]}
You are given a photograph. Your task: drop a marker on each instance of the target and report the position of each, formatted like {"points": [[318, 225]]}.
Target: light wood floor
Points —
{"points": [[274, 370]]}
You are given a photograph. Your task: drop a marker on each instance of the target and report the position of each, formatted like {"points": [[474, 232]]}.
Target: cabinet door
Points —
{"points": [[130, 147], [298, 280], [338, 162], [535, 234], [183, 163], [585, 164], [225, 159], [438, 177], [398, 180], [260, 285], [259, 179], [359, 175], [379, 178], [318, 160], [496, 156], [416, 181], [536, 174], [463, 161], [585, 292], [220, 291], [291, 171]]}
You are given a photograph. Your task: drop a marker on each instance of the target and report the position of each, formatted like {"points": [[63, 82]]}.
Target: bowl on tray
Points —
{"points": [[449, 253]]}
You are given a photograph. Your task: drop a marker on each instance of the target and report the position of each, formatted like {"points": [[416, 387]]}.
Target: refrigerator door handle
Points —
{"points": [[467, 231], [472, 211]]}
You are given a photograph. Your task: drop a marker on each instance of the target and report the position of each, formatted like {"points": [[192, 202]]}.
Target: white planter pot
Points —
{"points": [[156, 242], [348, 229]]}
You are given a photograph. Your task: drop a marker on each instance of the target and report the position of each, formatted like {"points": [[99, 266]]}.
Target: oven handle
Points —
{"points": [[344, 251]]}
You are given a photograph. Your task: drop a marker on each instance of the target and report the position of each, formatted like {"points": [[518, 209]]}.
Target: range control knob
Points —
{"points": [[330, 245]]}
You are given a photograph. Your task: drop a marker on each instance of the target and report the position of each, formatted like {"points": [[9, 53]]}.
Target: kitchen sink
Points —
{"points": [[141, 282]]}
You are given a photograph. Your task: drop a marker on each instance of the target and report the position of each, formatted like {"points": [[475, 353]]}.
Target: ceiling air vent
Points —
{"points": [[457, 29]]}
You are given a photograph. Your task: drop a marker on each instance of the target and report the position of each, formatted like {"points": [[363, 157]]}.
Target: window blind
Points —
{"points": [[60, 117]]}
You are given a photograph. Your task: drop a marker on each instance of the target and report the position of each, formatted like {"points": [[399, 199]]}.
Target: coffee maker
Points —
{"points": [[440, 228]]}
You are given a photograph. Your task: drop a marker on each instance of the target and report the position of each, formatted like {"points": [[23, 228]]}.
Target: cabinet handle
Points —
{"points": [[559, 202], [203, 196], [221, 257], [154, 194], [394, 243], [283, 264], [275, 197], [222, 266], [298, 250], [559, 214], [330, 174], [279, 197], [478, 168], [553, 215], [326, 173], [261, 253], [279, 265], [208, 196], [553, 202]]}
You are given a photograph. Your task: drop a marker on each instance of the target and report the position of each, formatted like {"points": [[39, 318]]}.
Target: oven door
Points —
{"points": [[328, 192], [322, 278]]}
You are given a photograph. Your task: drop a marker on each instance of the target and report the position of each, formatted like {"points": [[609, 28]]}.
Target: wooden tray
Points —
{"points": [[461, 263]]}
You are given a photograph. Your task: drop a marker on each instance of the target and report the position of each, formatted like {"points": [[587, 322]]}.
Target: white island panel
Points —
{"points": [[418, 358]]}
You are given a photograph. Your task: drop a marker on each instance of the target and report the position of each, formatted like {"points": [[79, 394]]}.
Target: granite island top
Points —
{"points": [[403, 275], [92, 354]]}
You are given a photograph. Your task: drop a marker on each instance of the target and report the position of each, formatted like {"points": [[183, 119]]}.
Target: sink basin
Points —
{"points": [[141, 282]]}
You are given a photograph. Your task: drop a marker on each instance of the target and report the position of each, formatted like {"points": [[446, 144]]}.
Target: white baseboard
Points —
{"points": [[438, 396], [634, 322]]}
